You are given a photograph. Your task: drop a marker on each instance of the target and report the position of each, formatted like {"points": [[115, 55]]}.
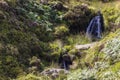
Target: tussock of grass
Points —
{"points": [[77, 39]]}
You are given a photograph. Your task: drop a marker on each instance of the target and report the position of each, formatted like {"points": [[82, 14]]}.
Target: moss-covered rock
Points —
{"points": [[61, 30], [79, 17], [111, 15]]}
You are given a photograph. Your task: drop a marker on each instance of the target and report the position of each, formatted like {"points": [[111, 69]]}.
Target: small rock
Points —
{"points": [[44, 1], [59, 6], [4, 5], [85, 46], [54, 75], [54, 72]]}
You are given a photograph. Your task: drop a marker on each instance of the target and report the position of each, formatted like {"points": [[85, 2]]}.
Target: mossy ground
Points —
{"points": [[32, 36]]}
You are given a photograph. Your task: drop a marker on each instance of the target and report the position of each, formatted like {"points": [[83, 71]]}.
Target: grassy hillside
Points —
{"points": [[101, 62], [32, 36]]}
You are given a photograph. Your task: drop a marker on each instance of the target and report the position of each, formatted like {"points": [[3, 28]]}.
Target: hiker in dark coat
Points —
{"points": [[65, 61], [96, 27]]}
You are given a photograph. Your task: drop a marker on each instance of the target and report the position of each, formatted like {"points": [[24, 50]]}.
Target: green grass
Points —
{"points": [[77, 39]]}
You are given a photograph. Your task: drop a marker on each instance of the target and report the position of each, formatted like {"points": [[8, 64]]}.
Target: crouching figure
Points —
{"points": [[65, 61]]}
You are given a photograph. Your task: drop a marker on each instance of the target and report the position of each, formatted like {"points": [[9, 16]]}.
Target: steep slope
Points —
{"points": [[25, 33], [28, 30], [101, 61], [32, 35]]}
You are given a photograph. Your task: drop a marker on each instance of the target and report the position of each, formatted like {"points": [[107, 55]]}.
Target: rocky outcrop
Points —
{"points": [[78, 18], [4, 5], [85, 46], [59, 6], [44, 1], [54, 72]]}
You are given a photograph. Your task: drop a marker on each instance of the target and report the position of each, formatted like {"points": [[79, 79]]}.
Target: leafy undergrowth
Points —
{"points": [[110, 10], [102, 61], [32, 35], [32, 77], [26, 31]]}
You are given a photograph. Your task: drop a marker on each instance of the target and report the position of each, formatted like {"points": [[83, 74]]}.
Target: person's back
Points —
{"points": [[65, 60]]}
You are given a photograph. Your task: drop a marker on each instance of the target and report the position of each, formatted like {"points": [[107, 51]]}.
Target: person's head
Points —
{"points": [[66, 52], [98, 12]]}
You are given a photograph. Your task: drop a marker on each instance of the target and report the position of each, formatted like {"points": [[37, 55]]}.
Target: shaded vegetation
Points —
{"points": [[32, 36]]}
